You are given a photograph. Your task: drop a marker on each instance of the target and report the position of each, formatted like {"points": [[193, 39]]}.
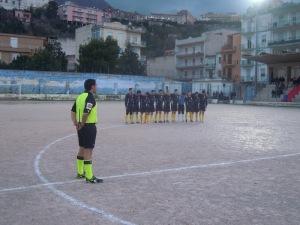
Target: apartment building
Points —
{"points": [[273, 28], [220, 17], [72, 12], [122, 33], [12, 46], [181, 17], [231, 56], [200, 60]]}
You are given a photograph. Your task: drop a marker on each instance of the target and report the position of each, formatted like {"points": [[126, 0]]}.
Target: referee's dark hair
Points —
{"points": [[89, 83]]}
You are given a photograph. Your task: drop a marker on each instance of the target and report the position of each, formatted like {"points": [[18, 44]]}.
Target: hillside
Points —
{"points": [[100, 4]]}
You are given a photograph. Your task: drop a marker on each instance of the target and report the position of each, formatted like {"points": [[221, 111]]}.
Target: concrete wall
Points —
{"points": [[36, 82], [162, 66]]}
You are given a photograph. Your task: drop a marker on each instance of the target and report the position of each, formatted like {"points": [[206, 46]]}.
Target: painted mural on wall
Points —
{"points": [[36, 82]]}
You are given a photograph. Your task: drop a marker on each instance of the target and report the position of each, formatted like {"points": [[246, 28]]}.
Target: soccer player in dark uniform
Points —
{"points": [[84, 117], [167, 106], [174, 104], [129, 104], [144, 107], [196, 106], [151, 106], [181, 102], [202, 105], [159, 106], [136, 106], [189, 105]]}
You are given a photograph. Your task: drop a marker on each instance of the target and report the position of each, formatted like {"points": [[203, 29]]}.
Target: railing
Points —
{"points": [[293, 93], [182, 54], [210, 66], [282, 42], [182, 66], [247, 63], [285, 23], [138, 44]]}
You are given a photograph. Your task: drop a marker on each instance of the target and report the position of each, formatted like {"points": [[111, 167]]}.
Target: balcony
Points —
{"points": [[189, 54], [247, 79], [284, 42], [228, 48], [189, 66], [246, 63], [282, 24], [141, 44], [210, 66]]}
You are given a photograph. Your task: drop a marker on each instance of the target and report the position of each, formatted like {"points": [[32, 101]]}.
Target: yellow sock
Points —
{"points": [[80, 165], [88, 169], [131, 118], [126, 116]]}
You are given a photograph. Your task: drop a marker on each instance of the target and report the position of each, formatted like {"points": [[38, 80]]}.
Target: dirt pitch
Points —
{"points": [[242, 166]]}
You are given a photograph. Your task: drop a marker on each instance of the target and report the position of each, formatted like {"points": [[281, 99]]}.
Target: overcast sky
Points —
{"points": [[197, 7]]}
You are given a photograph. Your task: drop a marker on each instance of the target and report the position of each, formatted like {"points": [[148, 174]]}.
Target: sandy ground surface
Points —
{"points": [[242, 166]]}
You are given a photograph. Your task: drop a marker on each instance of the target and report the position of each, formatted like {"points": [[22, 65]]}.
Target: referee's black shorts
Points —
{"points": [[87, 136]]}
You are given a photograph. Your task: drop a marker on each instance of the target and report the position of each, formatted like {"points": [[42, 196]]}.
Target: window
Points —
{"points": [[186, 62], [264, 40], [229, 59], [220, 59], [14, 42], [248, 72], [194, 61], [263, 72], [194, 49], [249, 44], [186, 50], [229, 73], [185, 73], [193, 72]]}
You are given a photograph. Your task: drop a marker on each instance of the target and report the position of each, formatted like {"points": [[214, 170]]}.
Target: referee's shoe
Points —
{"points": [[94, 180]]}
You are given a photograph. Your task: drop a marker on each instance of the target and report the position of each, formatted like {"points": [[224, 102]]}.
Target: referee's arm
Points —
{"points": [[73, 114]]}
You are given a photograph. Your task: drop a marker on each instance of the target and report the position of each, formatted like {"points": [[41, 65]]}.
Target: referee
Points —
{"points": [[84, 117]]}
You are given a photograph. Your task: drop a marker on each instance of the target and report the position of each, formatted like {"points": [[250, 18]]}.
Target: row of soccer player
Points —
{"points": [[157, 107]]}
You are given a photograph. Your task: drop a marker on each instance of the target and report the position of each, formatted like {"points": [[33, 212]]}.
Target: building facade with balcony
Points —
{"points": [[231, 56], [199, 60], [123, 34], [72, 12], [13, 45], [270, 29]]}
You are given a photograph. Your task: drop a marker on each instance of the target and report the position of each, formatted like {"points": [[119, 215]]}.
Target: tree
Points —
{"points": [[129, 63], [99, 56], [51, 58], [22, 62], [10, 24], [51, 10]]}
